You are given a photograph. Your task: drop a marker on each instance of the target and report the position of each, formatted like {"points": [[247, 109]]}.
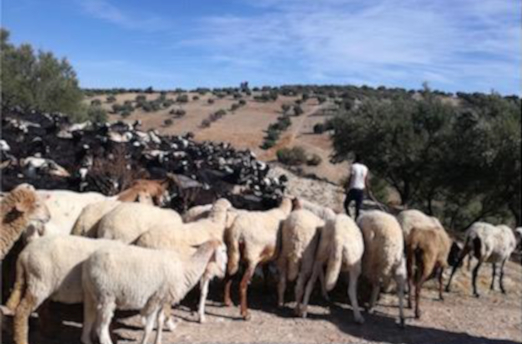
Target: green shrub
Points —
{"points": [[205, 123], [125, 113], [319, 128], [314, 160], [111, 99], [242, 102], [235, 106], [210, 101], [267, 144], [141, 98], [182, 98], [168, 122], [96, 102], [285, 108], [298, 110], [195, 98], [294, 156]]}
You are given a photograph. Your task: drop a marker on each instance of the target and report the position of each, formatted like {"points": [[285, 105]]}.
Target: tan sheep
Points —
{"points": [[19, 209], [383, 257], [427, 250], [252, 239], [299, 239]]}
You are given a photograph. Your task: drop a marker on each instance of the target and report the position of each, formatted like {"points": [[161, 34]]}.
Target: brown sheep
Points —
{"points": [[156, 189], [427, 251], [18, 210]]}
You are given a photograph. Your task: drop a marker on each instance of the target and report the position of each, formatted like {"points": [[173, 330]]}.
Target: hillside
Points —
{"points": [[244, 128]]}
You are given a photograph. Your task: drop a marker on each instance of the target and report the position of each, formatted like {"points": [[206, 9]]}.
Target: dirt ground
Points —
{"points": [[459, 319]]}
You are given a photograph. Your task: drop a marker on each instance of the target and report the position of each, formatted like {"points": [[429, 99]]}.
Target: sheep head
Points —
{"points": [[23, 201]]}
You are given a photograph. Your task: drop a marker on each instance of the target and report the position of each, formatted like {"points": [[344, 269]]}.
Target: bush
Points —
{"points": [[267, 144], [125, 113], [242, 102], [111, 99], [195, 98], [220, 113], [141, 98], [321, 99], [319, 128], [205, 123], [293, 157], [314, 160], [96, 102], [285, 108], [168, 122], [178, 112], [235, 106], [298, 110], [210, 101], [37, 80], [182, 98]]}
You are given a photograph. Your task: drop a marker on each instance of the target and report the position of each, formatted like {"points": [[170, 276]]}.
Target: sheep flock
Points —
{"points": [[143, 247]]}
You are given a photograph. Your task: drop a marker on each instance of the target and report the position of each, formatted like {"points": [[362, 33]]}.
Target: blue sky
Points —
{"points": [[455, 45]]}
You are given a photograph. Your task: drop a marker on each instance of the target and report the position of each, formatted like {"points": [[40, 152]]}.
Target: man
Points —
{"points": [[357, 185]]}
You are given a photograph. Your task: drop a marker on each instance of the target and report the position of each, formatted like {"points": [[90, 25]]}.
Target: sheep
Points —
{"points": [[127, 221], [490, 244], [106, 275], [157, 189], [49, 269], [19, 209], [256, 233], [383, 254], [341, 247], [182, 238], [65, 207], [324, 213], [197, 212], [427, 250], [411, 218], [299, 236], [87, 223]]}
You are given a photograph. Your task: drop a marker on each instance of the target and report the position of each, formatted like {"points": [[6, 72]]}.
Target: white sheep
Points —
{"points": [[87, 222], [341, 248], [65, 206], [123, 278], [490, 244], [183, 237], [49, 269], [324, 213], [383, 254], [256, 232], [299, 239], [197, 212], [127, 221]]}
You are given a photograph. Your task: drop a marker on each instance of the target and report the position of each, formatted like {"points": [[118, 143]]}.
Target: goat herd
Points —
{"points": [[125, 252]]}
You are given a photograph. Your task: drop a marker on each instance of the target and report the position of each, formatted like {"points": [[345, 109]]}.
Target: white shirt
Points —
{"points": [[358, 176]]}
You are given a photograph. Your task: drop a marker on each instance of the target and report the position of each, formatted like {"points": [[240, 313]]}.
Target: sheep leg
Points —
{"points": [[21, 318], [160, 320], [409, 273], [463, 255], [266, 274], [228, 284], [373, 298], [170, 322], [501, 277], [281, 285], [149, 324], [299, 291], [418, 288], [243, 290], [309, 288], [324, 292], [493, 273], [441, 283], [400, 279], [202, 298], [474, 278], [104, 317], [355, 271], [89, 317]]}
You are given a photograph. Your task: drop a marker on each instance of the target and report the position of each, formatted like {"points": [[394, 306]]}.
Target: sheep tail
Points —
{"points": [[16, 295], [333, 267], [232, 243]]}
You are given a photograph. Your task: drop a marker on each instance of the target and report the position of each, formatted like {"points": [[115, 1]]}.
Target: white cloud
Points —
{"points": [[143, 21], [382, 42]]}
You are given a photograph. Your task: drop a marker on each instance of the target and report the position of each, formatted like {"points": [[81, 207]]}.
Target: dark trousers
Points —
{"points": [[356, 195]]}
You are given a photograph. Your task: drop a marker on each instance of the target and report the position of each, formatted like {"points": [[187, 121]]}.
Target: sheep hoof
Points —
{"points": [[401, 323], [477, 295], [202, 319], [418, 314], [359, 320], [447, 289], [171, 325], [246, 316]]}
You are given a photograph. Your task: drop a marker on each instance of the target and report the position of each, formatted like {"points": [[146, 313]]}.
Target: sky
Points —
{"points": [[454, 45]]}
